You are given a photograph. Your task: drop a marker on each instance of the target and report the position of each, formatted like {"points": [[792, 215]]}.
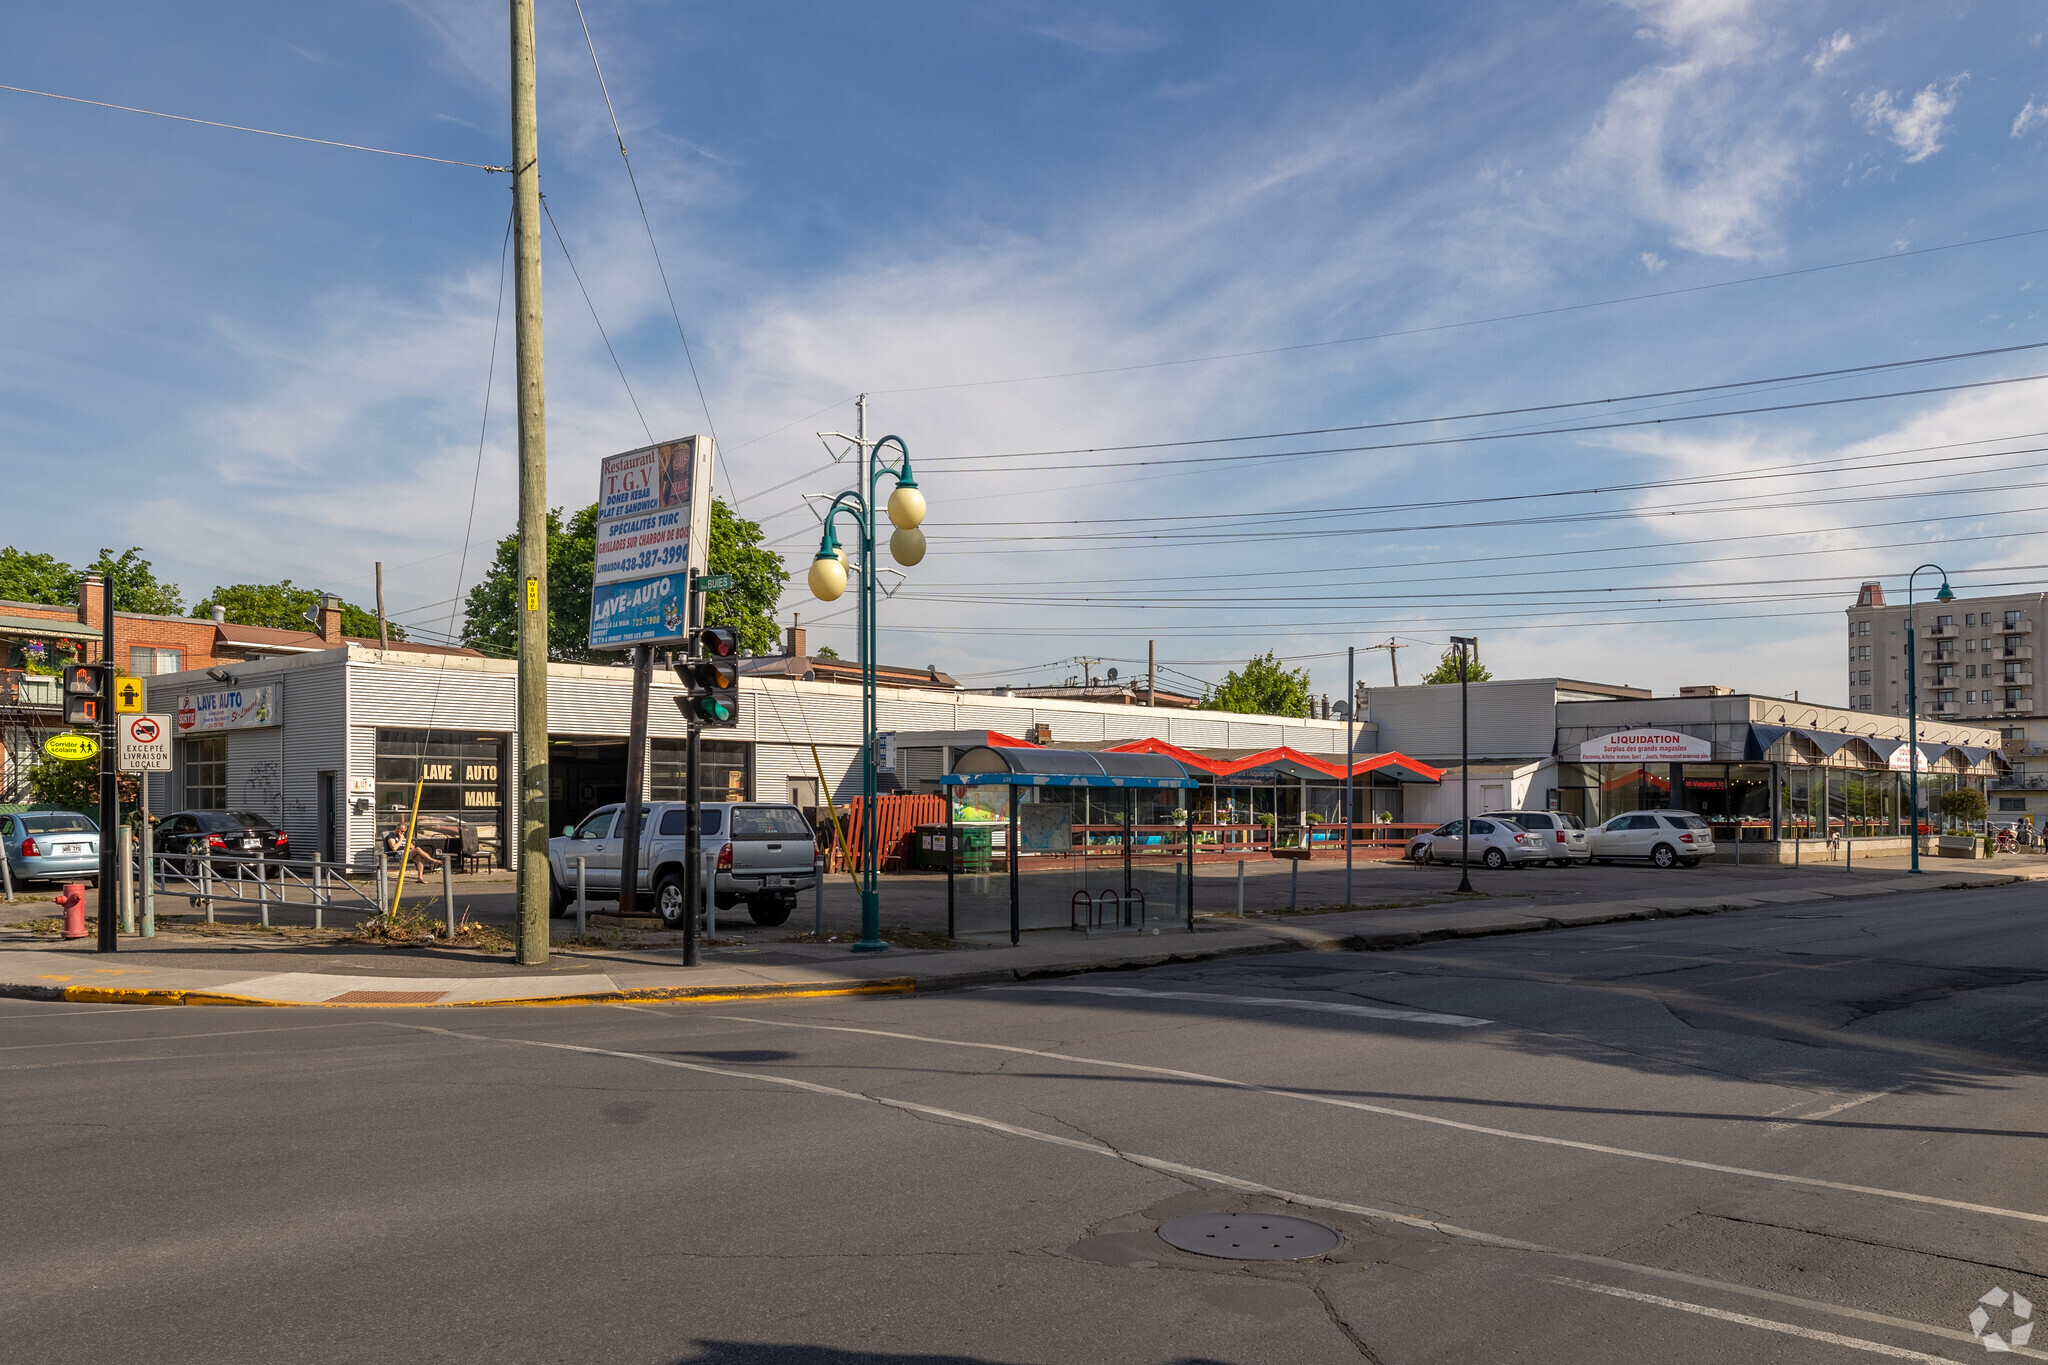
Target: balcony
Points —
{"points": [[2015, 680], [36, 690], [1941, 654], [2022, 628], [1944, 708], [1948, 632], [2016, 652]]}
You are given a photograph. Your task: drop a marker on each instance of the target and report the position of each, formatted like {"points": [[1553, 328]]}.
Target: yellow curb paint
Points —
{"points": [[667, 995]]}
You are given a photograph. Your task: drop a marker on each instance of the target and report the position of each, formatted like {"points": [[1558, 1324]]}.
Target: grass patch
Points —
{"points": [[901, 936], [48, 927], [415, 928]]}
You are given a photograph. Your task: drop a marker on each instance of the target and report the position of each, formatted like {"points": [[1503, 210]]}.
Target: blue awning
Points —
{"points": [[1829, 742], [985, 766], [1761, 738], [1059, 780], [1883, 748], [1974, 753]]}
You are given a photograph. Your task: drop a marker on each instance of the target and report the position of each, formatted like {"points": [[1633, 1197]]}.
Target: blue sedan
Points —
{"points": [[51, 846]]}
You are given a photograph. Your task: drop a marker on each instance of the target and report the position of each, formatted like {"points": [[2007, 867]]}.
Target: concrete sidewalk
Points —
{"points": [[175, 970]]}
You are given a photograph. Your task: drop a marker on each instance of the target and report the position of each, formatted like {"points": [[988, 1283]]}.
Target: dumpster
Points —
{"points": [[928, 848]]}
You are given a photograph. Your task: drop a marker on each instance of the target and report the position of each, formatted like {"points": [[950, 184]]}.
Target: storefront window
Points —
{"points": [[721, 774], [459, 777], [1626, 787]]}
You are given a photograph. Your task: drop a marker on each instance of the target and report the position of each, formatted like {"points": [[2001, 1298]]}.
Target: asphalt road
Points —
{"points": [[1808, 1134]]}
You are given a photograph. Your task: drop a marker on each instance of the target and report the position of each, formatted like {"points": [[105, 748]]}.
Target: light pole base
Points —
{"points": [[870, 924]]}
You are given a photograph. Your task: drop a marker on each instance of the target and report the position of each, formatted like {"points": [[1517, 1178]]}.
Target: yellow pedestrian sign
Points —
{"points": [[127, 696]]}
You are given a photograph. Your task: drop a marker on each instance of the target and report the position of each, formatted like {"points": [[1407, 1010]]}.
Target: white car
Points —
{"points": [[1563, 834], [1496, 841], [1665, 838]]}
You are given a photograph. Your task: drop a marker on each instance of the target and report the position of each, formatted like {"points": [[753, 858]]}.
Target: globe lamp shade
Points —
{"points": [[828, 577], [906, 545], [906, 508]]}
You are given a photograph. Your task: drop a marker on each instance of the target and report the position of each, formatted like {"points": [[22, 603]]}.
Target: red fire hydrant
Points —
{"points": [[72, 898]]}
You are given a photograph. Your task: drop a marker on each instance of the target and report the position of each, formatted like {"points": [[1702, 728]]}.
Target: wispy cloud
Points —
{"points": [[1916, 127], [2030, 118], [1832, 51], [1101, 35]]}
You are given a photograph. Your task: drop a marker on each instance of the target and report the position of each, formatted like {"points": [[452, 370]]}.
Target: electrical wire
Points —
{"points": [[265, 132], [594, 318], [1479, 322], [645, 222]]}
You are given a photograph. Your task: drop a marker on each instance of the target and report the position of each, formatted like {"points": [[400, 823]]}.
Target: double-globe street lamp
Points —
{"points": [[1913, 701], [828, 580]]}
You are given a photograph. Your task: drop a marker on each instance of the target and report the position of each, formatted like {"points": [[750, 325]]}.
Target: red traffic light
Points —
{"points": [[718, 642]]}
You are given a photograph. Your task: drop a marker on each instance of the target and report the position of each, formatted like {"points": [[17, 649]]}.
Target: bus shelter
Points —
{"points": [[1085, 840]]}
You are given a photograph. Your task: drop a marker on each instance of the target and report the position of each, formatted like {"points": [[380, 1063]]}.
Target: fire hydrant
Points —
{"points": [[72, 899]]}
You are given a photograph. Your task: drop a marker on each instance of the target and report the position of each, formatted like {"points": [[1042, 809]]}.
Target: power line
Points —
{"points": [[265, 132], [1523, 411], [1479, 322], [594, 318], [634, 180]]}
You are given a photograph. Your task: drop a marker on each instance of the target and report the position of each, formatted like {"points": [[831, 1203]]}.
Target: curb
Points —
{"points": [[1295, 940], [695, 995]]}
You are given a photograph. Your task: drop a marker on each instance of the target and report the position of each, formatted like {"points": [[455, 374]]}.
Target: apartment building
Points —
{"points": [[1976, 656]]}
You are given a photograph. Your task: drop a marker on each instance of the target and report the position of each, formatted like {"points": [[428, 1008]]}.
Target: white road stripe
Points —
{"points": [[1769, 1325], [1310, 1097], [1315, 1006], [1178, 1170], [1843, 1107]]}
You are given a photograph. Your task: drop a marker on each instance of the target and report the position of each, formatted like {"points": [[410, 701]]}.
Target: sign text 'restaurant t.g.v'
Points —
{"points": [[653, 524]]}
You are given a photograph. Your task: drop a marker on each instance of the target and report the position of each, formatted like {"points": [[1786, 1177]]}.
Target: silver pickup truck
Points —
{"points": [[764, 854]]}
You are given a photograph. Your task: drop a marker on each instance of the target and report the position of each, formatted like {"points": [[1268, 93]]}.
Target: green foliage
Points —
{"points": [[824, 652], [1446, 670], [46, 579], [74, 784], [26, 577], [1965, 804], [283, 606], [491, 621], [758, 574], [1263, 687]]}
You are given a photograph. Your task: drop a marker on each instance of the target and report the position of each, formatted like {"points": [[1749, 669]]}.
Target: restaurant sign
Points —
{"points": [[1646, 746]]}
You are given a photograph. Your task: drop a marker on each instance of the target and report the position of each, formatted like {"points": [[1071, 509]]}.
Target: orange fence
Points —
{"points": [[897, 820]]}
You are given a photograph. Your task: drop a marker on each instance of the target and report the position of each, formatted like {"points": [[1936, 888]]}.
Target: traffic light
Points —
{"points": [[85, 701], [711, 681]]}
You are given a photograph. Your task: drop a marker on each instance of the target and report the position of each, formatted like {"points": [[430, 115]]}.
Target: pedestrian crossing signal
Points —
{"points": [[84, 710], [81, 680]]}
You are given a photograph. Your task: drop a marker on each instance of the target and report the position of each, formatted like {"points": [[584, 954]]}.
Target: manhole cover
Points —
{"points": [[1250, 1236]]}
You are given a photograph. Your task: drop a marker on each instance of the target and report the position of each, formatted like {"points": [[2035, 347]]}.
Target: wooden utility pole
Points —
{"points": [[383, 631], [1151, 678], [1392, 661], [533, 499]]}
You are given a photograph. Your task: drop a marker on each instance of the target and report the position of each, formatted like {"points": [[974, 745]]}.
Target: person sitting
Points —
{"points": [[394, 847]]}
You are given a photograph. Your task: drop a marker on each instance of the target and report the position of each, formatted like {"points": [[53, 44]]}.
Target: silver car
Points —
{"points": [[1496, 841], [1563, 835], [52, 846], [1664, 838]]}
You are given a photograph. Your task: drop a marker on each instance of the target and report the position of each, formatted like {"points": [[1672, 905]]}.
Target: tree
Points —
{"points": [[26, 577], [136, 586], [824, 652], [283, 606], [1446, 670], [1965, 805], [1263, 687], [491, 621], [74, 784]]}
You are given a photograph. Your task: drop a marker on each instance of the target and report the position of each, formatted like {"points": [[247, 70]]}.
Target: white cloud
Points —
{"points": [[1831, 51], [1917, 127], [2030, 118], [1106, 37], [1652, 262]]}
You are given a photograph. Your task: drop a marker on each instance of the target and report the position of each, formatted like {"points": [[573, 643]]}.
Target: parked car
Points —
{"points": [[1666, 838], [237, 835], [763, 853], [1496, 841], [52, 846], [1564, 835]]}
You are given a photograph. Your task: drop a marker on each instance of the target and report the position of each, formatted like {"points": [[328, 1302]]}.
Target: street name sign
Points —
{"points": [[142, 744], [714, 582]]}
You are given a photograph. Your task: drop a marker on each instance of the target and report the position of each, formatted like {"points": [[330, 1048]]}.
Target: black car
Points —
{"points": [[238, 834]]}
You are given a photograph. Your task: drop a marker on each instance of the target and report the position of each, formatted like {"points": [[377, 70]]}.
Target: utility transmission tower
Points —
{"points": [[1392, 661]]}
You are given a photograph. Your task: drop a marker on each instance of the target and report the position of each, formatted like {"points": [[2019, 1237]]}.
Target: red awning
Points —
{"points": [[1397, 764]]}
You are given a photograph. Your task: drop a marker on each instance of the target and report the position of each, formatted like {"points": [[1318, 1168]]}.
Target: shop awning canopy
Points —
{"points": [[1883, 748], [1285, 764], [1829, 742], [988, 766], [1761, 738]]}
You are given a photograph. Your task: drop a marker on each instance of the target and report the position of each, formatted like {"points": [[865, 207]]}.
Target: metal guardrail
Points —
{"points": [[205, 880]]}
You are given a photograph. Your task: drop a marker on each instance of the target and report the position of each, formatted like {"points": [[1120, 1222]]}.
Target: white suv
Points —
{"points": [[1666, 838]]}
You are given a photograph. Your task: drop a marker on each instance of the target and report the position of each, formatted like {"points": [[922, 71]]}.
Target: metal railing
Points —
{"points": [[321, 884]]}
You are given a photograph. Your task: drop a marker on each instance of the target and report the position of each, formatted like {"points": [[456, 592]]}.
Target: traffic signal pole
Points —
{"points": [[110, 785]]}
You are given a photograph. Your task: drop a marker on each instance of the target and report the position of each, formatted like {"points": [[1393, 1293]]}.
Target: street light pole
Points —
{"points": [[1350, 761], [1913, 703], [1464, 645], [827, 581]]}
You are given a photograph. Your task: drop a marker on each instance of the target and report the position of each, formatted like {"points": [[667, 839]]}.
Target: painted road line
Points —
{"points": [[460, 992], [1196, 1173], [1829, 1113], [1334, 1102], [318, 988], [1877, 1348], [1313, 1006]]}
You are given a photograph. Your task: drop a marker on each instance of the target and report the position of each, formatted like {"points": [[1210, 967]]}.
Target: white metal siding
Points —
{"points": [[1190, 732]]}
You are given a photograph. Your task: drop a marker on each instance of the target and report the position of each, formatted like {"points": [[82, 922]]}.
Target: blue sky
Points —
{"points": [[262, 359]]}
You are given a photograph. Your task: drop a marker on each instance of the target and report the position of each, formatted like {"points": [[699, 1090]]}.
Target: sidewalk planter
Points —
{"points": [[1959, 846], [1787, 852]]}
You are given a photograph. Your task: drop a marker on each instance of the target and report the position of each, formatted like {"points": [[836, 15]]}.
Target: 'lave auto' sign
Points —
{"points": [[1645, 746]]}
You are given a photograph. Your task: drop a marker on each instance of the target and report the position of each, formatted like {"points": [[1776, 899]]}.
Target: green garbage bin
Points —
{"points": [[971, 845]]}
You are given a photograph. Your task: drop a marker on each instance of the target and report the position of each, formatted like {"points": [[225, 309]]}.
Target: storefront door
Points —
{"points": [[583, 774]]}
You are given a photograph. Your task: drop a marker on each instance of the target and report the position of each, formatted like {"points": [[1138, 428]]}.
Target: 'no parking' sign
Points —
{"points": [[143, 744]]}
